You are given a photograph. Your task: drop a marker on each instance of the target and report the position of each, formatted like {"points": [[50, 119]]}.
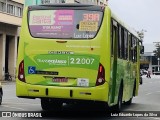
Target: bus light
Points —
{"points": [[21, 75], [100, 76]]}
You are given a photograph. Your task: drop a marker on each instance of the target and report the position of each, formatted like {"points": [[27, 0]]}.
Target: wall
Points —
{"points": [[19, 1], [12, 56], [8, 30], [5, 18], [1, 53]]}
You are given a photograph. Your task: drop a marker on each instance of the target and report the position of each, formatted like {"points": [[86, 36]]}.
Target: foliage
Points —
{"points": [[157, 51]]}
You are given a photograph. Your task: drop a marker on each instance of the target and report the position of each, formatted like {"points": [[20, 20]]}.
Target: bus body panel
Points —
{"points": [[122, 71], [78, 93], [38, 64], [53, 67], [44, 66]]}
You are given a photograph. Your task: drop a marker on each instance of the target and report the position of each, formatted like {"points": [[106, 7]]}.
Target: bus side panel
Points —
{"points": [[122, 70], [20, 87], [138, 69], [105, 52]]}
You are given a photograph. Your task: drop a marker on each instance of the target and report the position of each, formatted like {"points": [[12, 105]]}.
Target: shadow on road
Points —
{"points": [[77, 112], [82, 111]]}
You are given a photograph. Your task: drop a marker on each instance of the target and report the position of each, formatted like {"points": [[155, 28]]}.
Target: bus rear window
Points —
{"points": [[79, 24]]}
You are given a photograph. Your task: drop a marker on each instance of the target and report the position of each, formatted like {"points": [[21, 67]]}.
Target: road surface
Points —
{"points": [[148, 100]]}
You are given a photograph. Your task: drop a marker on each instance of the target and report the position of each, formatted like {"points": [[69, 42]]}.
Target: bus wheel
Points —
{"points": [[50, 104], [119, 104], [56, 105], [45, 103], [129, 102], [103, 107]]}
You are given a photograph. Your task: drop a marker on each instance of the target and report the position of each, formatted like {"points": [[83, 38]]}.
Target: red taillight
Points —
{"points": [[21, 75], [101, 75]]}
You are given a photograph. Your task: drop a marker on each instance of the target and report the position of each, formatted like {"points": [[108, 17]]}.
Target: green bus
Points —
{"points": [[76, 53]]}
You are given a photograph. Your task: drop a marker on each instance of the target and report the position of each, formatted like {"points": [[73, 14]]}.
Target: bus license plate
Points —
{"points": [[60, 79], [82, 82]]}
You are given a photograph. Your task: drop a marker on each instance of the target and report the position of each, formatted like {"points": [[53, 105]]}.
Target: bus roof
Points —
{"points": [[131, 30], [68, 6]]}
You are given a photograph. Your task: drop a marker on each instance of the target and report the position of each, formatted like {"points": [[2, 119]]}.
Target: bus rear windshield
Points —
{"points": [[79, 24]]}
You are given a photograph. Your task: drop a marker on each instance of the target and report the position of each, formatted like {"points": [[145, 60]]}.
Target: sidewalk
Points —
{"points": [[152, 76], [7, 82]]}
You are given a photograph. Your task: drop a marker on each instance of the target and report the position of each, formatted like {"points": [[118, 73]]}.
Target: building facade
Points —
{"points": [[10, 21], [149, 61], [94, 2]]}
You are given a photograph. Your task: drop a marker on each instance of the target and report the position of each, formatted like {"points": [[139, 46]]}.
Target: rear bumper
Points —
{"points": [[98, 93]]}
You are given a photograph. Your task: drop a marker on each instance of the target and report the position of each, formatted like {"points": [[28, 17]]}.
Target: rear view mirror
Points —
{"points": [[141, 49]]}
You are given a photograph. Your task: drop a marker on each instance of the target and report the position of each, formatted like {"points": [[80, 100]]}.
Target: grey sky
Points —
{"points": [[140, 14]]}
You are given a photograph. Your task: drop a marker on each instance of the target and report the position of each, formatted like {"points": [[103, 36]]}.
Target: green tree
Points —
{"points": [[157, 51]]}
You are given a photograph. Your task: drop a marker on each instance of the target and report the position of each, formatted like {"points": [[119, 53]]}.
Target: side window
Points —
{"points": [[112, 38], [119, 42], [133, 49], [129, 47], [131, 52], [125, 44], [122, 44]]}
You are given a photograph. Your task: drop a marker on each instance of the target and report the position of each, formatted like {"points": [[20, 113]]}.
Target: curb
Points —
{"points": [[7, 82]]}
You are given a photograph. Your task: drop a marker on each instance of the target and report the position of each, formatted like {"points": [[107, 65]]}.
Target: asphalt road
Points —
{"points": [[148, 100]]}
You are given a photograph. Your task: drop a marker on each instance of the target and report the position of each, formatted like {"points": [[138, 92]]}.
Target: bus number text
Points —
{"points": [[78, 61]]}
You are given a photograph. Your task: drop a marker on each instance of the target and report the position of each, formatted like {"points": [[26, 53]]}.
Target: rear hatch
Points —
{"points": [[63, 50]]}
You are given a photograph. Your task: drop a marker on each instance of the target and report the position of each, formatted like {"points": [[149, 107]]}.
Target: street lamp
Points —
{"points": [[158, 59]]}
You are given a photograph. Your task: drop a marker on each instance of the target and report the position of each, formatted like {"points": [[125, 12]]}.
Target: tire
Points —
{"points": [[102, 107], [45, 104], [119, 103], [1, 97], [50, 104], [129, 102]]}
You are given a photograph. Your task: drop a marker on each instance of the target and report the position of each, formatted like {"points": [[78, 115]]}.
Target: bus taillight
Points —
{"points": [[101, 75], [21, 75]]}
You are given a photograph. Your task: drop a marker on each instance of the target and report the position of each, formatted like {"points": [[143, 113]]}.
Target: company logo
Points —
{"points": [[6, 114], [16, 114]]}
